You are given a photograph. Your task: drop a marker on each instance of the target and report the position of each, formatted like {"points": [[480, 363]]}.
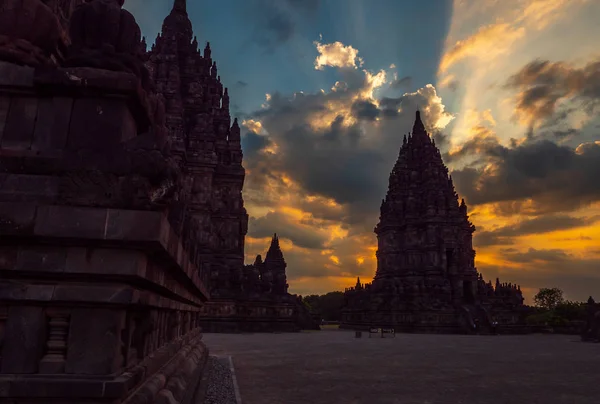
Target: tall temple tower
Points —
{"points": [[207, 147], [275, 265], [426, 277], [424, 236]]}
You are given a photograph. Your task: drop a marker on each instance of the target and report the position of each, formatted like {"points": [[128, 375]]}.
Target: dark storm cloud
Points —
{"points": [[253, 143], [537, 225], [556, 178], [540, 256], [365, 110], [275, 222], [277, 20], [332, 164], [341, 160], [542, 84]]}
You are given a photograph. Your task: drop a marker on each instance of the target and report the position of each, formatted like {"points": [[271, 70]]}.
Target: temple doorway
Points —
{"points": [[468, 296]]}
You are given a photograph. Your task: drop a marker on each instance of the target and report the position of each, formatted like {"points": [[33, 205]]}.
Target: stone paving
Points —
{"points": [[334, 367]]}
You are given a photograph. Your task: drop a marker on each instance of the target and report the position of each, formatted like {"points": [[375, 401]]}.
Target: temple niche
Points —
{"points": [[206, 146], [426, 280]]}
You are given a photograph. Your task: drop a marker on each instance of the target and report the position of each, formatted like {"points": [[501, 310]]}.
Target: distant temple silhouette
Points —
{"points": [[243, 298], [426, 278]]}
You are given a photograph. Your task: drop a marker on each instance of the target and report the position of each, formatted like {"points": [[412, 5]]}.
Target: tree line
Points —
{"points": [[550, 307]]}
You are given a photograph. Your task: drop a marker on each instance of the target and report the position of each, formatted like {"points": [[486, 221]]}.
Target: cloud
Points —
{"points": [[542, 175], [537, 225], [280, 223], [487, 43], [277, 20], [336, 54], [401, 83], [319, 163], [542, 85]]}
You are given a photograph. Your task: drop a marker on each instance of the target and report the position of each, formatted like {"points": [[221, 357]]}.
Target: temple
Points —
{"points": [[121, 210], [426, 280], [207, 146]]}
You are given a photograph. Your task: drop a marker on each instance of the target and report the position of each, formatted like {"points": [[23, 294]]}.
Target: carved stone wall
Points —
{"points": [[100, 293]]}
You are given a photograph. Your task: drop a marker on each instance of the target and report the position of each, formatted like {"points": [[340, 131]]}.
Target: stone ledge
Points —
{"points": [[148, 230], [176, 361]]}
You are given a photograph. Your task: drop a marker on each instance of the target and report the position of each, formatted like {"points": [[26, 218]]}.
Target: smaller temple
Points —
{"points": [[263, 304], [426, 280]]}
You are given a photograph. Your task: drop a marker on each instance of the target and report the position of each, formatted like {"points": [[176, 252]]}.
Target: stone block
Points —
{"points": [[24, 340], [8, 257], [28, 188], [100, 124], [15, 290], [41, 259], [12, 75], [72, 222], [105, 293], [52, 124], [17, 218], [106, 261], [18, 130], [94, 344], [133, 225], [4, 106]]}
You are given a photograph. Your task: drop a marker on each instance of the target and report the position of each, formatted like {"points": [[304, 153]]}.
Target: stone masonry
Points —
{"points": [[426, 278], [101, 281]]}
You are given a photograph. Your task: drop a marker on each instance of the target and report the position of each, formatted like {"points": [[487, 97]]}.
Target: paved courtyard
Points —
{"points": [[334, 367]]}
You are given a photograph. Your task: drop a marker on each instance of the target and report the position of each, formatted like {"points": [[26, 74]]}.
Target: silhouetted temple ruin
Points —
{"points": [[121, 210], [426, 278], [208, 148]]}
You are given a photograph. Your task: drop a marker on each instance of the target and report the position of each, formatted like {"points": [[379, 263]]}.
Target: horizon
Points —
{"points": [[509, 94]]}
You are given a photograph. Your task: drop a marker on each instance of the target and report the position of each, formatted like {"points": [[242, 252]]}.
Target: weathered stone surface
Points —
{"points": [[24, 337], [17, 218], [52, 124], [81, 260], [28, 188], [4, 106], [94, 342], [15, 75], [100, 124], [66, 221], [114, 44], [426, 278], [30, 33], [20, 122]]}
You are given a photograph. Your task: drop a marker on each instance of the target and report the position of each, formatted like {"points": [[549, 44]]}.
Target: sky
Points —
{"points": [[326, 89]]}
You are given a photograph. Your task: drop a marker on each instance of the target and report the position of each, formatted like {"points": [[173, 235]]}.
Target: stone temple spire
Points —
{"points": [[177, 24], [418, 126], [274, 252], [275, 264], [180, 6], [420, 202]]}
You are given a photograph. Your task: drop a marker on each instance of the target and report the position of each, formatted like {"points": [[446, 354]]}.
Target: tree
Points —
{"points": [[548, 298], [329, 306]]}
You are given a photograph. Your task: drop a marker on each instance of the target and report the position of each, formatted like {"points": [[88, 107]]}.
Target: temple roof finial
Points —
{"points": [[180, 5], [418, 127]]}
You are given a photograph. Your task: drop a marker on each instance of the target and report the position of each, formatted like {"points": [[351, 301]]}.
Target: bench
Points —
{"points": [[382, 331]]}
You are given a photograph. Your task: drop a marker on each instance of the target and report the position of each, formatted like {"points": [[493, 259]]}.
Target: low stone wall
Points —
{"points": [[426, 322], [230, 316]]}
